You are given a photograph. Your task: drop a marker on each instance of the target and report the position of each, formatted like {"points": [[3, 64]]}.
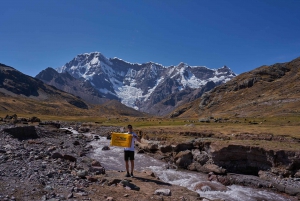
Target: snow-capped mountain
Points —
{"points": [[141, 86]]}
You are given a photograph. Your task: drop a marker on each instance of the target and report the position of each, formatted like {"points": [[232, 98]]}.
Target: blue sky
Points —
{"points": [[243, 35]]}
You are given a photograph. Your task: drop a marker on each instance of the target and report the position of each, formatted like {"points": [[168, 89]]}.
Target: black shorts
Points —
{"points": [[128, 154]]}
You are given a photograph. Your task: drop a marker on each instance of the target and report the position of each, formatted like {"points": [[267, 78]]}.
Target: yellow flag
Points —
{"points": [[120, 139]]}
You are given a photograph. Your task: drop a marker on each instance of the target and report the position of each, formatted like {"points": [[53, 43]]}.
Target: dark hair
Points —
{"points": [[129, 126]]}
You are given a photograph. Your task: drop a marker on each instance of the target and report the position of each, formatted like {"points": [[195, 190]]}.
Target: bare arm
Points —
{"points": [[137, 138]]}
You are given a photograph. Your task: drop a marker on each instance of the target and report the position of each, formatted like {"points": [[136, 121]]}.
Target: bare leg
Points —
{"points": [[132, 165], [127, 166]]}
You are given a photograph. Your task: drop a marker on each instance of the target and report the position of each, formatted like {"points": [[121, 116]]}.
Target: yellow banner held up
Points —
{"points": [[120, 139]]}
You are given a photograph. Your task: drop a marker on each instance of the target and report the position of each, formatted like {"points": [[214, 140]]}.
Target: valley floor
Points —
{"points": [[56, 165]]}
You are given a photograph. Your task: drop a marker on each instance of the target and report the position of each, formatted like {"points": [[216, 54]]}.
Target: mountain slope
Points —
{"points": [[22, 94], [265, 91], [69, 84], [142, 86]]}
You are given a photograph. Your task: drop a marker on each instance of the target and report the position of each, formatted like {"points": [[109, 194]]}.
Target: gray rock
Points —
{"points": [[183, 147], [279, 187], [132, 186], [99, 170], [184, 158], [297, 174], [57, 155], [163, 191], [292, 190], [69, 158], [2, 151], [105, 148], [48, 188], [205, 188], [207, 168], [166, 149], [200, 157], [70, 196], [26, 132], [82, 173]]}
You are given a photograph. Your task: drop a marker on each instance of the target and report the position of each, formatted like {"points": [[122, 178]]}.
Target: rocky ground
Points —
{"points": [[39, 161], [43, 162]]}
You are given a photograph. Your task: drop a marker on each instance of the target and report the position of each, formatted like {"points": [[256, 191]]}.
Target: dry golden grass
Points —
{"points": [[169, 129]]}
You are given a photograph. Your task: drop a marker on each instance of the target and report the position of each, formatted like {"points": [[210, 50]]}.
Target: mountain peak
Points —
{"points": [[182, 64], [134, 84]]}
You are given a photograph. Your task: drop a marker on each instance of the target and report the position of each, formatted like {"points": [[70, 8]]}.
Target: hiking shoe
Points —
{"points": [[131, 175], [127, 175]]}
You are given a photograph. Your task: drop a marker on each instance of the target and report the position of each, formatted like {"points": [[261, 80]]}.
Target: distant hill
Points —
{"points": [[265, 91], [20, 93]]}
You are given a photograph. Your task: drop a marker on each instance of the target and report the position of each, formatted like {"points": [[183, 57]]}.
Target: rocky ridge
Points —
{"points": [[263, 92]]}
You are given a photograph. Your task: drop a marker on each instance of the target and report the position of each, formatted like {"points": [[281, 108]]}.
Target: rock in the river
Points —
{"points": [[292, 190], [214, 168], [105, 148], [210, 186], [200, 157], [184, 158], [96, 163], [207, 168], [297, 174]]}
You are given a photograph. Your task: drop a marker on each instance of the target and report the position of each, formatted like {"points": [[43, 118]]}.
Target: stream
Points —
{"points": [[113, 159]]}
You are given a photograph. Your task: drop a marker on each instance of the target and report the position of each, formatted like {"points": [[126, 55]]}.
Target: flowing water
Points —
{"points": [[113, 160]]}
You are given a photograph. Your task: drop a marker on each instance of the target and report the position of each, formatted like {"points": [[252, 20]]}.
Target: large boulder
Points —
{"points": [[83, 130], [200, 157], [210, 186], [163, 191], [148, 147], [183, 147], [105, 148], [297, 174], [22, 133], [166, 149], [97, 169], [96, 163], [82, 173], [183, 159], [207, 168], [57, 155], [69, 158]]}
